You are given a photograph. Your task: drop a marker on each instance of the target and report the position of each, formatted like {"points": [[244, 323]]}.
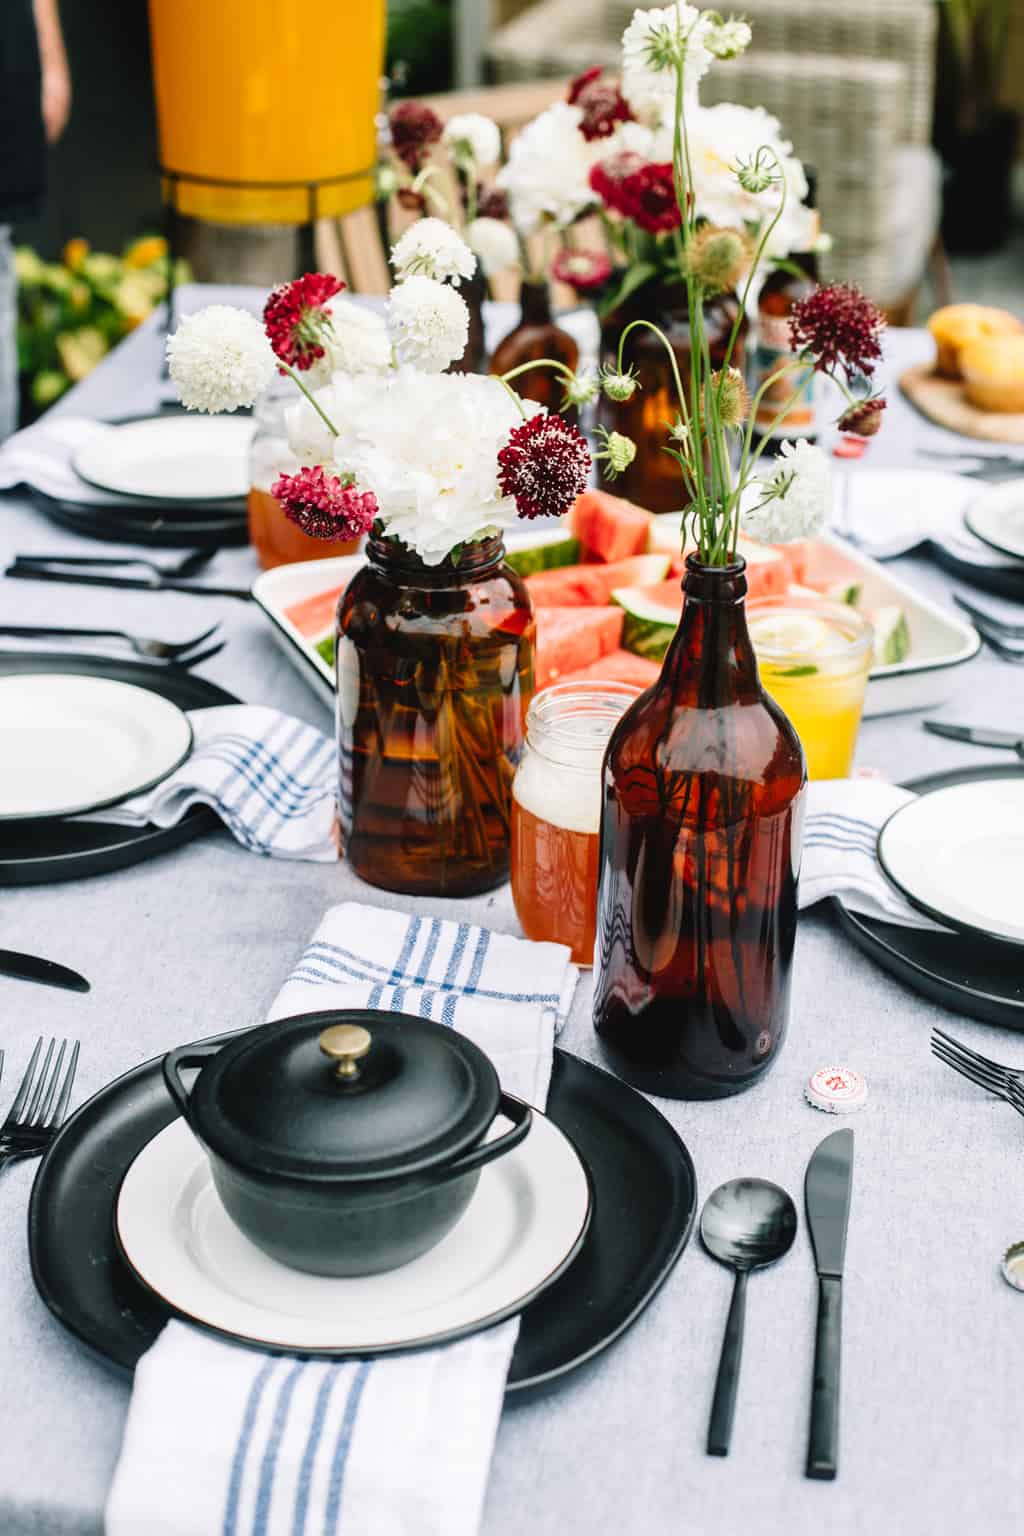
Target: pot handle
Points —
{"points": [[521, 1116], [173, 1062]]}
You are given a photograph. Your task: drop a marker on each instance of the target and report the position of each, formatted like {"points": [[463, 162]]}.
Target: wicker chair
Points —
{"points": [[852, 86]]}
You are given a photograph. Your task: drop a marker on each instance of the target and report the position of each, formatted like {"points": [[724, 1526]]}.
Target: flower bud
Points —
{"points": [[619, 386]]}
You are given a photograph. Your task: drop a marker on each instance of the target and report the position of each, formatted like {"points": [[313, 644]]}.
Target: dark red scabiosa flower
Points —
{"points": [[864, 417], [544, 466], [414, 127], [323, 506], [839, 328], [583, 270], [649, 198], [295, 319], [492, 204], [608, 177], [601, 102]]}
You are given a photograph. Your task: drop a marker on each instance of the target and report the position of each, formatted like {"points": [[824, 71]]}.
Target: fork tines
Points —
{"points": [[1004, 1082], [42, 1098]]}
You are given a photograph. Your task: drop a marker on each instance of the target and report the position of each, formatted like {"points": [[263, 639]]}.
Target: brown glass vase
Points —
{"points": [[700, 855], [653, 479], [537, 336], [435, 673], [474, 356]]}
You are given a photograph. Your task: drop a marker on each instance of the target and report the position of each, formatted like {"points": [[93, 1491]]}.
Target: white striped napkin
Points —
{"points": [[270, 778], [844, 818], [226, 1440]]}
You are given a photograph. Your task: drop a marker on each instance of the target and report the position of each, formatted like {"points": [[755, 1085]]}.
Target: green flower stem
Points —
{"points": [[516, 398], [538, 362], [758, 253], [328, 423]]}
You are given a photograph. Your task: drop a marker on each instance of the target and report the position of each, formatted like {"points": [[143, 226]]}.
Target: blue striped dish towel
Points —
{"points": [[226, 1441], [844, 818], [270, 778]]}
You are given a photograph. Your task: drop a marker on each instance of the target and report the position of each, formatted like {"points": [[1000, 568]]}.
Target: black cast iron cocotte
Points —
{"points": [[346, 1142]]}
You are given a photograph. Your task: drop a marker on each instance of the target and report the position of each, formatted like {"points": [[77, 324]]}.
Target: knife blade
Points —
{"points": [[977, 735], [35, 968], [161, 584], [827, 1187]]}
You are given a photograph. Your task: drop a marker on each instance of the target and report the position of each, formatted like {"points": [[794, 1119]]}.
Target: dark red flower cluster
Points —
{"points": [[864, 417], [414, 127], [295, 320], [839, 328], [601, 102], [493, 204], [544, 466], [323, 507], [639, 189], [582, 270]]}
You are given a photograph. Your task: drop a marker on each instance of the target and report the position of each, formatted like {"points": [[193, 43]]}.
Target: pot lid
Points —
{"points": [[346, 1095]]}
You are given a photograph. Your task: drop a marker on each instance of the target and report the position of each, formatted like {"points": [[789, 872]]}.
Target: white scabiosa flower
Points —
{"points": [[495, 245], [473, 139], [429, 323], [431, 248], [727, 39], [220, 359], [547, 175], [357, 340], [652, 44], [794, 501]]}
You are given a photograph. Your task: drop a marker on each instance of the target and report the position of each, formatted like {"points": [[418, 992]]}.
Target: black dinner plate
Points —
{"points": [[644, 1200], [173, 527], [980, 977], [999, 577], [43, 852]]}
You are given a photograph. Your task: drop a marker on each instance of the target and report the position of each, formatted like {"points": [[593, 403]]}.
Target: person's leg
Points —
{"points": [[8, 336]]}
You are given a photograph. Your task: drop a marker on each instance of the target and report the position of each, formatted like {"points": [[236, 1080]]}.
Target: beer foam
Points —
{"points": [[567, 797]]}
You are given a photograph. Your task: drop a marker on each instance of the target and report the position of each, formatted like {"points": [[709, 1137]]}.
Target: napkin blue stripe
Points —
{"points": [[342, 1448], [252, 1407], [398, 969], [478, 959], [433, 938], [257, 768], [326, 954], [268, 1466], [316, 1429], [456, 955], [300, 800]]}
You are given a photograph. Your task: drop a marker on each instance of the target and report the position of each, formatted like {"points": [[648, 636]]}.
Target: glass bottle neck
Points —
{"points": [[535, 303], [474, 561], [711, 660]]}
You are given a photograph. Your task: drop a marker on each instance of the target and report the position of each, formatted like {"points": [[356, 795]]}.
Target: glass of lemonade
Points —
{"points": [[814, 658], [556, 811]]}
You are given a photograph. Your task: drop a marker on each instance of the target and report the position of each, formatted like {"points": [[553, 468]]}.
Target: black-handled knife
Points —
{"points": [[87, 579], [35, 968], [978, 736], [827, 1186]]}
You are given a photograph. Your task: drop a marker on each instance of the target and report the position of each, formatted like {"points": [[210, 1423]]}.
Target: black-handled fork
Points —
{"points": [[999, 626], [1006, 1083], [189, 565], [142, 645], [40, 1105]]}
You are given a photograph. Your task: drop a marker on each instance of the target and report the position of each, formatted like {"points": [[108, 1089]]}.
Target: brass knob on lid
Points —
{"points": [[345, 1044]]}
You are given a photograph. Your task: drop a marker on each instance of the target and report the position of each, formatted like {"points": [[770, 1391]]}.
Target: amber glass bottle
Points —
{"points": [[536, 336], [474, 356], [653, 480], [435, 674], [700, 856], [782, 288]]}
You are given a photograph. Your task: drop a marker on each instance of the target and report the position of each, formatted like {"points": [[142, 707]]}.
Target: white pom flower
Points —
{"points": [[431, 248], [429, 323], [358, 340], [220, 359], [547, 176], [794, 501], [651, 46], [427, 447], [727, 39], [473, 138], [495, 245]]}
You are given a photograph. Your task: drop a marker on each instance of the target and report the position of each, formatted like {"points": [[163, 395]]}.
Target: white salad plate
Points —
{"points": [[996, 517], [70, 744], [170, 458], [523, 1227], [957, 854]]}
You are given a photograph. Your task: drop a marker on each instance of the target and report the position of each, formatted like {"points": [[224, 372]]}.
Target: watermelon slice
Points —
{"points": [[548, 551], [651, 617], [570, 638], [593, 585], [315, 614], [616, 667], [826, 567], [608, 527]]}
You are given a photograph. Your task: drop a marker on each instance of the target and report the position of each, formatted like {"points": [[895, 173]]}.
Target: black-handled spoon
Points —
{"points": [[745, 1224]]}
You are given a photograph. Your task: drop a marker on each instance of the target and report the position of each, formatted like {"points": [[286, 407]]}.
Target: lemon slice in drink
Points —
{"points": [[790, 634]]}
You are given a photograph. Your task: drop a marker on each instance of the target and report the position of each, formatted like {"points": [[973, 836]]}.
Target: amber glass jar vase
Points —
{"points": [[653, 479], [435, 673], [537, 336], [700, 855]]}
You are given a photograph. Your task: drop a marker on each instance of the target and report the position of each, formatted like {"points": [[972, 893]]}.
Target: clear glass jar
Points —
{"points": [[277, 540], [556, 811]]}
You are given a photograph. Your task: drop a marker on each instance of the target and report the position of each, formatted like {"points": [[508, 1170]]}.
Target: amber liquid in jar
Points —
{"points": [[556, 812], [278, 541]]}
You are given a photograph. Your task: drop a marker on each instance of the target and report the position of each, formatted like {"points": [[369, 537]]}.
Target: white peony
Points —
{"points": [[427, 447], [547, 176], [650, 46], [722, 136], [220, 359], [357, 341], [431, 248], [495, 245], [429, 323], [794, 501], [309, 437], [472, 137]]}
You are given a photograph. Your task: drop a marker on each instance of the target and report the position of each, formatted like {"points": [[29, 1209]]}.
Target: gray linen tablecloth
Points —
{"points": [[200, 940]]}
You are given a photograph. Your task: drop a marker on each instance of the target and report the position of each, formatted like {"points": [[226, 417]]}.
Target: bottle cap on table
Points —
{"points": [[1012, 1266], [837, 1090]]}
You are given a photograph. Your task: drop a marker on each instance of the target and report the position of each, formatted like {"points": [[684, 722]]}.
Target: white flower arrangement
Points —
{"points": [[432, 248], [651, 49], [494, 244], [220, 359], [474, 140], [429, 323], [794, 501], [358, 341], [727, 135], [547, 176]]}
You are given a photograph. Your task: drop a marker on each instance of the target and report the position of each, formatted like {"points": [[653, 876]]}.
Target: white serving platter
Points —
{"points": [[940, 639]]}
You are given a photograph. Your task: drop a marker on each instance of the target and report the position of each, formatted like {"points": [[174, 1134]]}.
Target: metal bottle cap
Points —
{"points": [[836, 1090], [1012, 1266]]}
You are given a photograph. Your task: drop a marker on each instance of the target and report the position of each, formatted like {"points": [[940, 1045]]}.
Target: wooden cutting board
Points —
{"points": [[944, 402]]}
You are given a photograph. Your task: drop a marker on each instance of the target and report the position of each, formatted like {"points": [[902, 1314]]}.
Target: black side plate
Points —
{"points": [[644, 1189], [43, 852], [1003, 579], [178, 528], [978, 977]]}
